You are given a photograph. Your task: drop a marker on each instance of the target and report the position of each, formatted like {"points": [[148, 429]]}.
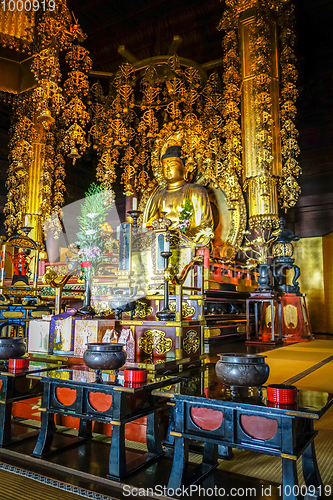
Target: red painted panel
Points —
{"points": [[206, 418], [67, 421], [259, 427], [65, 395], [135, 432], [24, 410], [0, 383], [100, 401]]}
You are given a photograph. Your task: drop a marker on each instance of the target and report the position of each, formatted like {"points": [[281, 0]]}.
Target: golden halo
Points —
{"points": [[191, 141]]}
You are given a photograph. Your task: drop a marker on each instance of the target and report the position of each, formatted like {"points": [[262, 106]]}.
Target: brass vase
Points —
{"points": [[87, 308]]}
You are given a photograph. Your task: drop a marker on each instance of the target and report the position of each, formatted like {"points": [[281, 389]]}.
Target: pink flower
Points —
{"points": [[85, 264]]}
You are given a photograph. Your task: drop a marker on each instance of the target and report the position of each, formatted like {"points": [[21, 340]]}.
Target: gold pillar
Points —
{"points": [[263, 202], [34, 191]]}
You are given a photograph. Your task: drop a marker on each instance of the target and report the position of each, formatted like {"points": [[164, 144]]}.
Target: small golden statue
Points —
{"points": [[186, 204]]}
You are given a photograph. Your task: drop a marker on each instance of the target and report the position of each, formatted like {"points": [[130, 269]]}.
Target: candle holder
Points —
{"points": [[162, 223], [25, 229], [135, 214], [166, 314]]}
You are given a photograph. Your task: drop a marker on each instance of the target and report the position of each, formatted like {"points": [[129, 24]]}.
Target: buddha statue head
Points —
{"points": [[173, 166]]}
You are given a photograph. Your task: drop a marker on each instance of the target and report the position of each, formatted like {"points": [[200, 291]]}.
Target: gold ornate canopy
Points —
{"points": [[168, 98], [170, 102]]}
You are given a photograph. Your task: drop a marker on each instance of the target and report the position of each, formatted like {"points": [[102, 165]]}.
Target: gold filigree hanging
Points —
{"points": [[20, 158], [289, 187], [54, 31], [168, 98], [268, 177]]}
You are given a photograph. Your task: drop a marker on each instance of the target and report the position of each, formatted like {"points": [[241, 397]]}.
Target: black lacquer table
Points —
{"points": [[121, 403], [205, 411], [14, 387]]}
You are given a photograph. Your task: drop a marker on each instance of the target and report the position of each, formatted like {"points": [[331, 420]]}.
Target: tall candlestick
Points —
{"points": [[134, 204], [163, 206], [166, 314], [26, 221], [166, 243]]}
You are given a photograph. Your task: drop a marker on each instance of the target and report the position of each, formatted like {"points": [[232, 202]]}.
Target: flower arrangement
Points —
{"points": [[259, 246], [91, 236], [185, 215]]}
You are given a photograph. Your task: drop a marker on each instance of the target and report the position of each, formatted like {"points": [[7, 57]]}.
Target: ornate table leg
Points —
{"points": [[117, 459], [256, 320], [179, 465], [153, 435], [169, 440], [289, 478], [225, 452], [310, 470], [248, 333], [272, 320], [210, 455], [5, 423], [280, 319], [45, 436], [85, 429]]}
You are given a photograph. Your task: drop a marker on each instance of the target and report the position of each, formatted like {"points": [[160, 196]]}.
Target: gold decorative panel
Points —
{"points": [[191, 342], [155, 339], [328, 280], [290, 316], [308, 255], [187, 310], [268, 315]]}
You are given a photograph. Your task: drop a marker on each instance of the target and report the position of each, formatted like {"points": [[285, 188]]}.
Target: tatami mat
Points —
{"points": [[281, 370], [319, 380], [313, 345], [18, 484], [289, 361], [316, 349]]}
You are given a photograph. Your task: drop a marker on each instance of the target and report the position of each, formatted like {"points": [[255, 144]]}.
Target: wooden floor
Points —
{"points": [[82, 469]]}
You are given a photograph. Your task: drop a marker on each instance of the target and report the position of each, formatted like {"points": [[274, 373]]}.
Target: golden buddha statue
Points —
{"points": [[180, 194]]}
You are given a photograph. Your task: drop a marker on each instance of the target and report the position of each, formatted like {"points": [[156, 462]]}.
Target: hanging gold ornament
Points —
{"points": [[74, 155], [54, 31], [265, 171], [171, 98], [46, 119]]}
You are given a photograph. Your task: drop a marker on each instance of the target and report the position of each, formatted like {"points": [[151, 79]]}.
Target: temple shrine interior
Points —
{"points": [[166, 232]]}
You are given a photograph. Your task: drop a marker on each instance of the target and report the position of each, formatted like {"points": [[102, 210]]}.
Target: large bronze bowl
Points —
{"points": [[12, 347], [104, 356], [242, 370]]}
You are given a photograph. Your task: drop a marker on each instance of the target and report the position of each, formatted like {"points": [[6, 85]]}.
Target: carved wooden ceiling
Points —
{"points": [[147, 28]]}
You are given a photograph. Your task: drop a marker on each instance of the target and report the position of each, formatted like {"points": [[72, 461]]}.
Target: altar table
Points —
{"points": [[73, 391], [204, 410], [15, 386]]}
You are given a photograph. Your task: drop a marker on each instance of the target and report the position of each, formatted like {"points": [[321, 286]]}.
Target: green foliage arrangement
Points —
{"points": [[91, 236], [185, 215]]}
